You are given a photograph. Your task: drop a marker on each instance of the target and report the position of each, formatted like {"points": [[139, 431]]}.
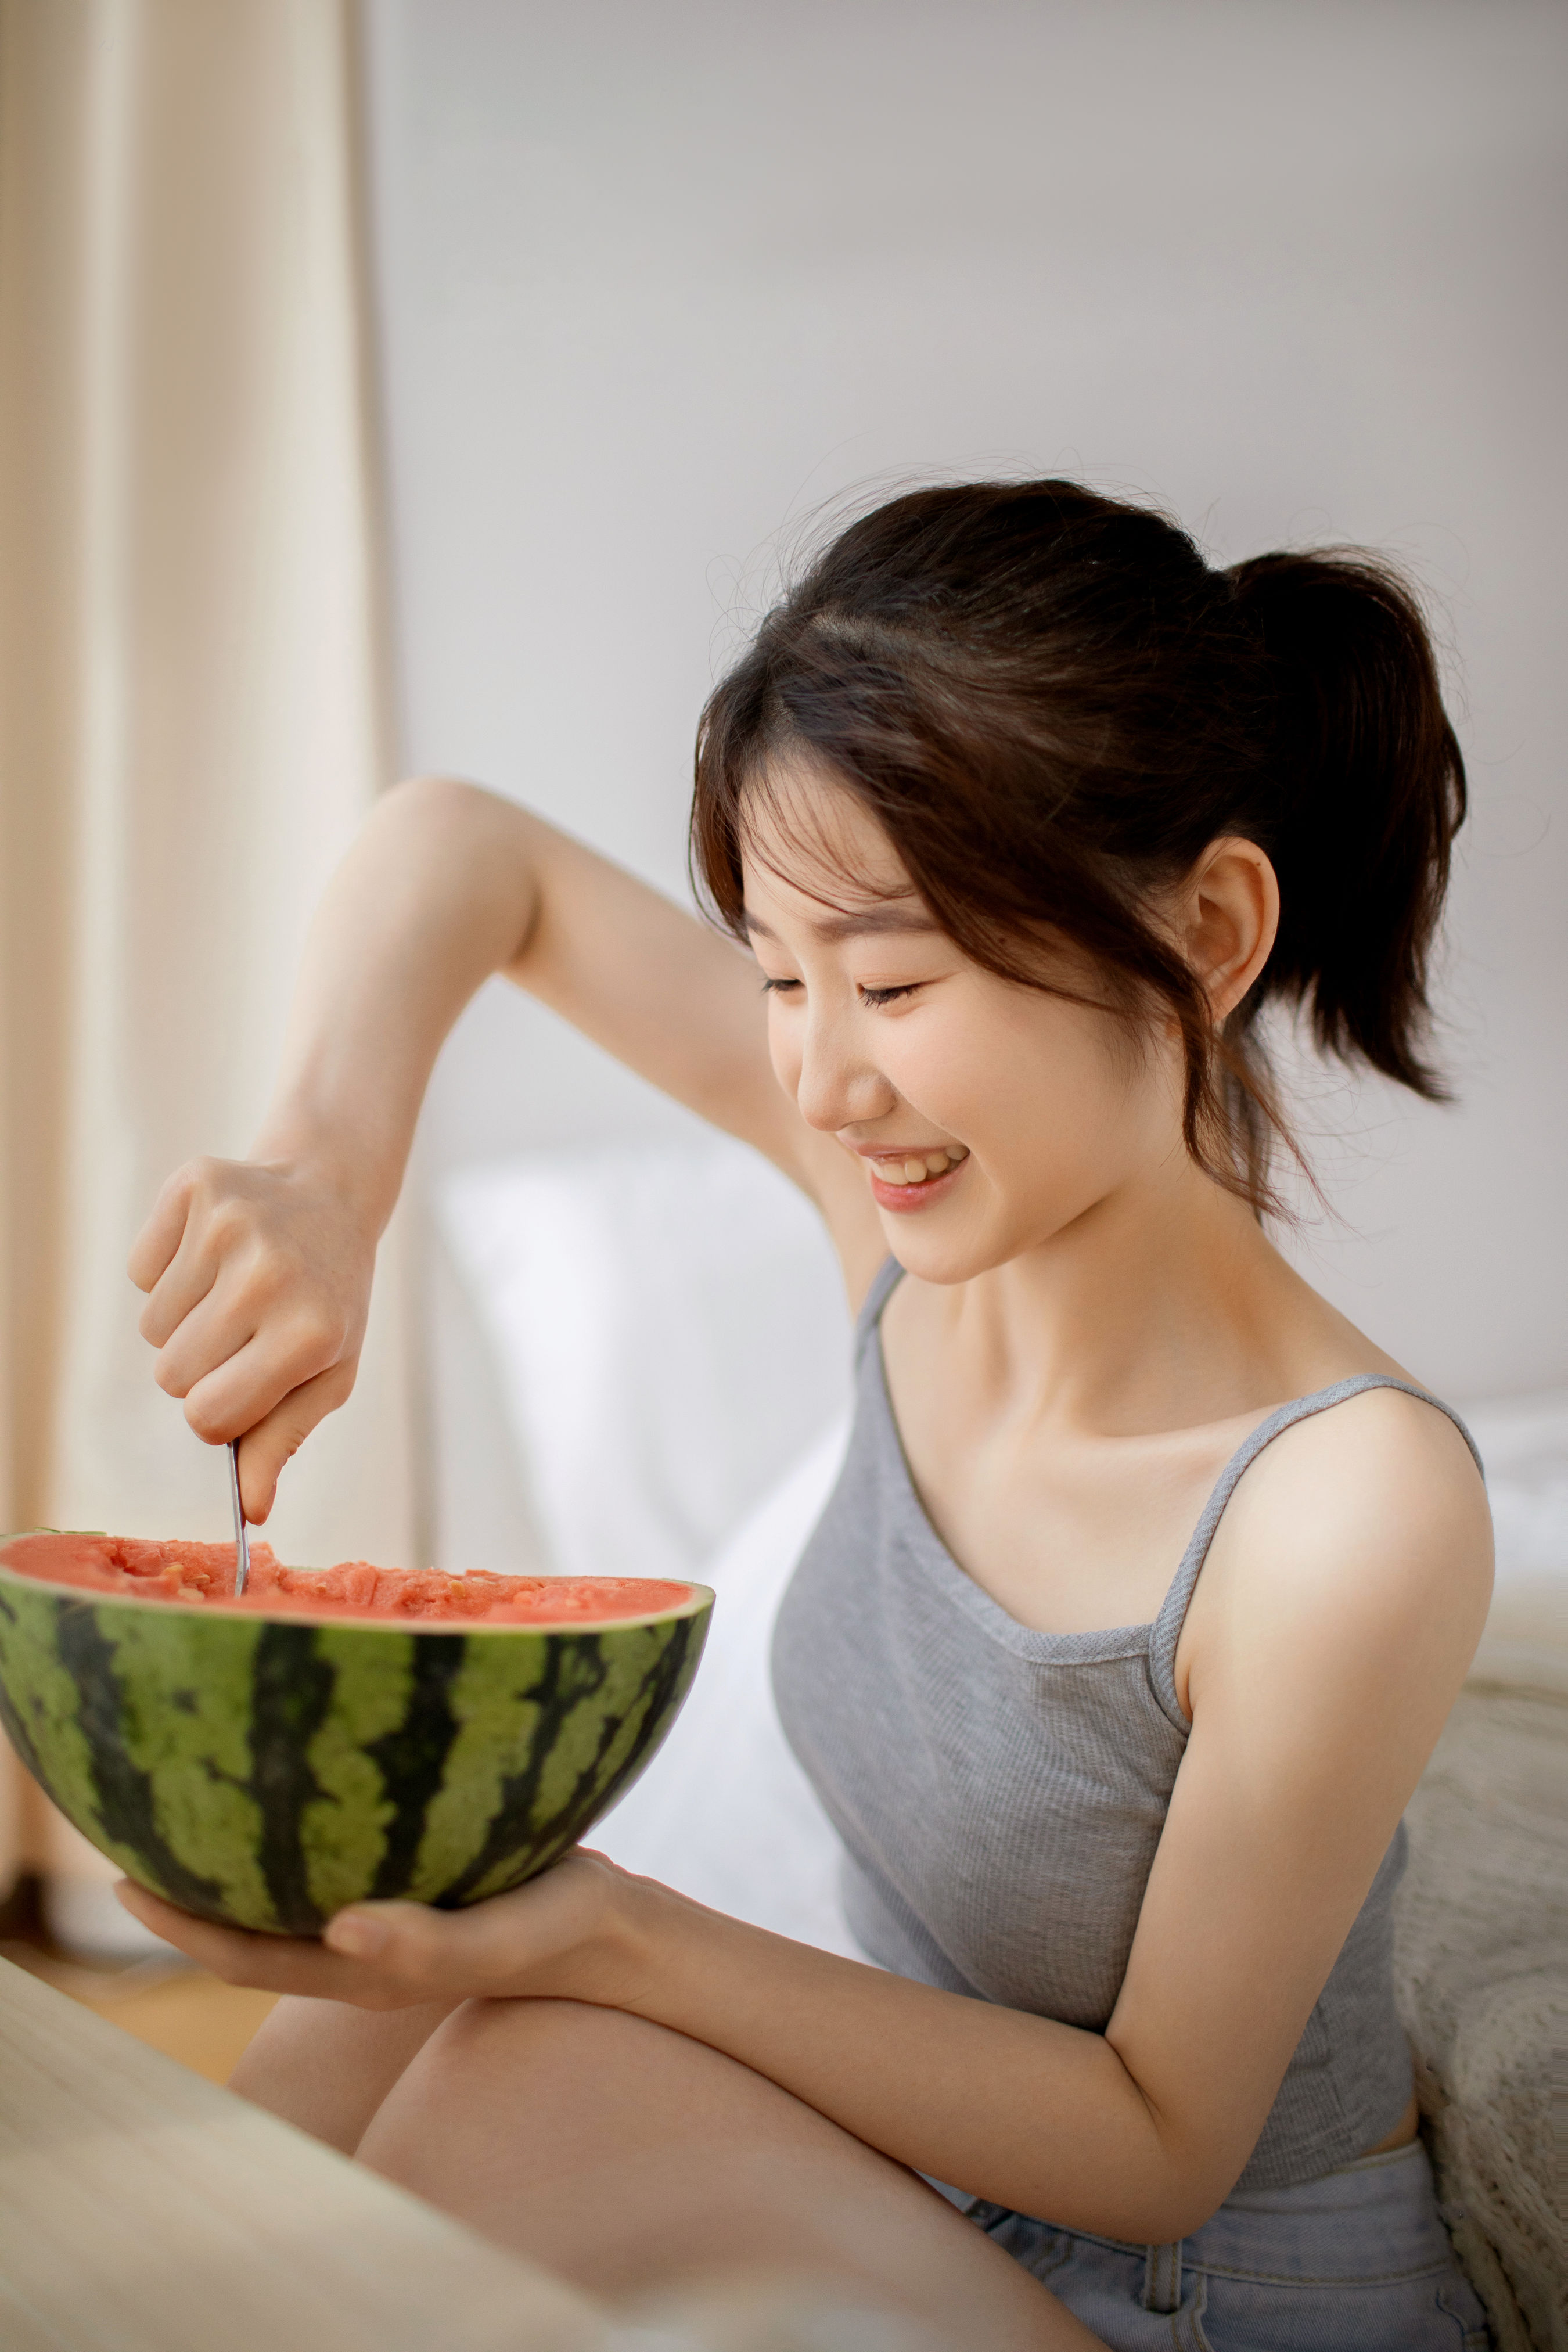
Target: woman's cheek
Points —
{"points": [[950, 1077], [784, 1053]]}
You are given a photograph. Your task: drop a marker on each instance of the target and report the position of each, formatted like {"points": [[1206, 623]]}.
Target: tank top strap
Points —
{"points": [[1167, 1629], [884, 1281]]}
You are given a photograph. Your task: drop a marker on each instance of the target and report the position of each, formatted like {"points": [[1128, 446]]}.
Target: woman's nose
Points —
{"points": [[836, 1087]]}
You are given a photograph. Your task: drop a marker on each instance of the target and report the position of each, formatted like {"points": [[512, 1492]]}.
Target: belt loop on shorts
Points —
{"points": [[1163, 2277]]}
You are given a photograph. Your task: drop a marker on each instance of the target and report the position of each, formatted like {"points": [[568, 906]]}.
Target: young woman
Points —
{"points": [[1149, 1580]]}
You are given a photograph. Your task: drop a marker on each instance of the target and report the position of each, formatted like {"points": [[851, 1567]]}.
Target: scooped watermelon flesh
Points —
{"points": [[136, 1568], [339, 1733]]}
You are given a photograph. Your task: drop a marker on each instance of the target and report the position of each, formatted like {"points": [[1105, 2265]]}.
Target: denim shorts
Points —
{"points": [[1357, 2262]]}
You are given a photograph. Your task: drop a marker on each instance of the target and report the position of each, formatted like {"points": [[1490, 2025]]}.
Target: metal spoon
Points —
{"points": [[241, 1533]]}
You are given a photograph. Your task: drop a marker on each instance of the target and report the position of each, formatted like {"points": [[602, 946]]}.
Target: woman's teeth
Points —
{"points": [[918, 1171]]}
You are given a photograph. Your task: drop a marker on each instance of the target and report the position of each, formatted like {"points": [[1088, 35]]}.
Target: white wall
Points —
{"points": [[658, 279]]}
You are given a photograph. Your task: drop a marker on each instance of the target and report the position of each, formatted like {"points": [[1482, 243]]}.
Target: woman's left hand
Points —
{"points": [[566, 1934]]}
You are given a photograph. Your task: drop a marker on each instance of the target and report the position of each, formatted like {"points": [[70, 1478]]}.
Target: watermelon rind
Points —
{"points": [[263, 1769]]}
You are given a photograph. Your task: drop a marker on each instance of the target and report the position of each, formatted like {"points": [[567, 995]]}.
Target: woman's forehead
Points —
{"points": [[805, 835]]}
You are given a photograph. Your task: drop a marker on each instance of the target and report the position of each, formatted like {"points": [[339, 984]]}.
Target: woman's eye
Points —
{"points": [[873, 996]]}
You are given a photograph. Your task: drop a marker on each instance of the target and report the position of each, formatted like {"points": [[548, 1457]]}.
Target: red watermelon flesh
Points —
{"points": [[133, 1567]]}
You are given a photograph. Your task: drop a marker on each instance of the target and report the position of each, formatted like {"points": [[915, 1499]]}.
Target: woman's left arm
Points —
{"points": [[1341, 1604]]}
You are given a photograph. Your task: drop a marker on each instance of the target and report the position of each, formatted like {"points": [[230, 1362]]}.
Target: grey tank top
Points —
{"points": [[1000, 1793]]}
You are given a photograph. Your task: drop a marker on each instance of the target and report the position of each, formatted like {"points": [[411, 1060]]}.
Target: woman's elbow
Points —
{"points": [[1188, 2190]]}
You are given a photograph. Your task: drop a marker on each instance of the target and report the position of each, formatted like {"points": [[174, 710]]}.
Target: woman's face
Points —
{"points": [[988, 1117]]}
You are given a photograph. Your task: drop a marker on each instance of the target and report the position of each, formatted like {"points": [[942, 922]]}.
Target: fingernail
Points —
{"points": [[354, 1933]]}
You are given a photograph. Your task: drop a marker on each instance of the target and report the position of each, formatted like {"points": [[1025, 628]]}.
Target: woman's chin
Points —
{"points": [[945, 1250]]}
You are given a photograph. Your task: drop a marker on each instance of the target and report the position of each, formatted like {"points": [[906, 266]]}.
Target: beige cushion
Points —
{"points": [[1481, 1964]]}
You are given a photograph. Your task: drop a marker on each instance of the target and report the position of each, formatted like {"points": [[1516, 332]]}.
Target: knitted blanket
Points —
{"points": [[1481, 1960]]}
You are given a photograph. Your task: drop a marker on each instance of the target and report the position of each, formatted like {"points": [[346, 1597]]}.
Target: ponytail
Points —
{"points": [[1372, 790]]}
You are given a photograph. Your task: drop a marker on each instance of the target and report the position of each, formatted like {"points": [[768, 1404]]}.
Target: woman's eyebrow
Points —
{"points": [[848, 926]]}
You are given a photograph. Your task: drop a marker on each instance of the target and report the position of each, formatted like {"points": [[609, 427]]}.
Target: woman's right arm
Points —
{"points": [[259, 1270]]}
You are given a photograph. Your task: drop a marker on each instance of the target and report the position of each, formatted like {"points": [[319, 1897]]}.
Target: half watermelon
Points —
{"points": [[339, 1734]]}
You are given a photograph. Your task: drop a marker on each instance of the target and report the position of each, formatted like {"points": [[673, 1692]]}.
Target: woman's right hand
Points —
{"points": [[258, 1277]]}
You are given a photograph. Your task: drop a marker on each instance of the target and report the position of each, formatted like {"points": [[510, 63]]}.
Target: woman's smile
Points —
{"points": [[904, 1180]]}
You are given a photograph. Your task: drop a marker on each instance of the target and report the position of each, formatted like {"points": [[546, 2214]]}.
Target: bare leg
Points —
{"points": [[629, 2158], [327, 2067]]}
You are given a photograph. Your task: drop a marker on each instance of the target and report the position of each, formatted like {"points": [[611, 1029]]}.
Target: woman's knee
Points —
{"points": [[627, 2158], [524, 2083], [326, 2066], [479, 2034], [592, 2139]]}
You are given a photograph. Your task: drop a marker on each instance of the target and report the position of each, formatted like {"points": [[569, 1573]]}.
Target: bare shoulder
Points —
{"points": [[1361, 1538], [1383, 1470]]}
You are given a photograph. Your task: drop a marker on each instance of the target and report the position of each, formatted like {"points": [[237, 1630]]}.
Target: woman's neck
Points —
{"points": [[1164, 1305]]}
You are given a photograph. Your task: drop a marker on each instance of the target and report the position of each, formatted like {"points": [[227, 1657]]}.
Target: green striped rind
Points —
{"points": [[267, 1770]]}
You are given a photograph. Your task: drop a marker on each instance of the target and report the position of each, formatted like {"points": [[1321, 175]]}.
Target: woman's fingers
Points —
{"points": [[273, 1963], [494, 1948], [280, 1964], [189, 1266], [260, 1277], [547, 1939], [276, 1437], [211, 1338], [373, 1956], [431, 1951], [233, 1363], [160, 1237], [538, 1940]]}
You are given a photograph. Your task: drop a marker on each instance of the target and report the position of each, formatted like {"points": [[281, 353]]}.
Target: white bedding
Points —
{"points": [[669, 1335], [726, 1814]]}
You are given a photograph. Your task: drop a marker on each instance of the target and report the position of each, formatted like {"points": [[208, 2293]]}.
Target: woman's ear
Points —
{"points": [[1226, 916]]}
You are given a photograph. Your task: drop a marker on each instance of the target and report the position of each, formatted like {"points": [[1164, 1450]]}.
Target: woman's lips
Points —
{"points": [[904, 1181]]}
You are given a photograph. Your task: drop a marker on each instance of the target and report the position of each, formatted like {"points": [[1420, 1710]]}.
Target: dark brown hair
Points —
{"points": [[1052, 705]]}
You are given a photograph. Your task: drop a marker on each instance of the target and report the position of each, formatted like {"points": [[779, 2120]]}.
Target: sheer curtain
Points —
{"points": [[193, 713]]}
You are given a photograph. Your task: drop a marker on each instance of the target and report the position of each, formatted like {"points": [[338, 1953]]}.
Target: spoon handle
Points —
{"points": [[241, 1532]]}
